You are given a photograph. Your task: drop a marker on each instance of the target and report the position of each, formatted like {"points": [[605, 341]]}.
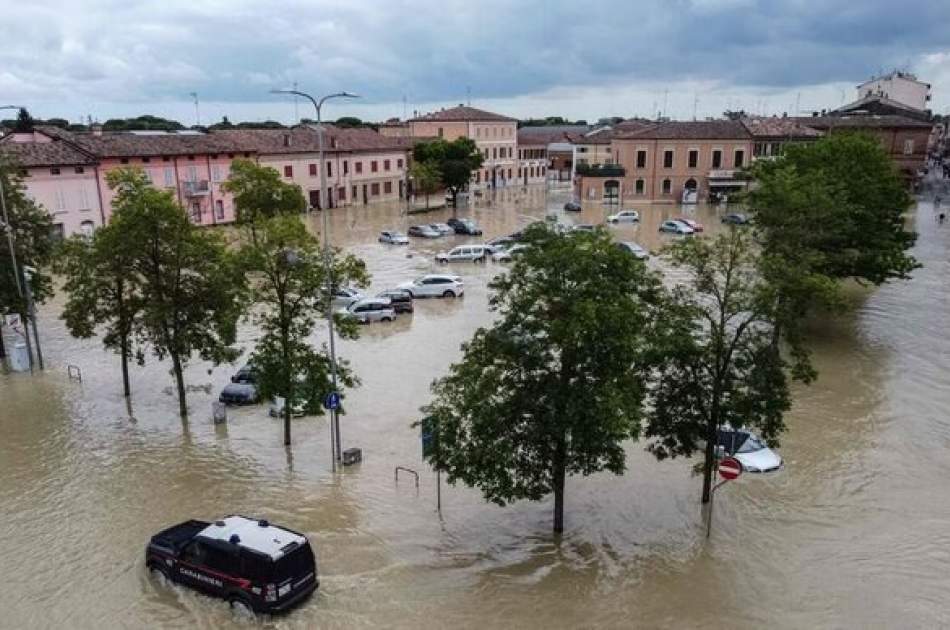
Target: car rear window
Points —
{"points": [[297, 563]]}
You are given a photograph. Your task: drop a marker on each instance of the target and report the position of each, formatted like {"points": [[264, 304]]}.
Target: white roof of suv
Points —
{"points": [[267, 539]]}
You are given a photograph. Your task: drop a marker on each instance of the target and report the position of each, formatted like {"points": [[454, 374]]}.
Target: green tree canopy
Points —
{"points": [[426, 178], [556, 385], [259, 193], [455, 160]]}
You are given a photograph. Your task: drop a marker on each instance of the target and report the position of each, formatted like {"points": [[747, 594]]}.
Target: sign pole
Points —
{"points": [[729, 469]]}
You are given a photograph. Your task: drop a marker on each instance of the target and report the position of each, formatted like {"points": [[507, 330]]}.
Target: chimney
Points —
{"points": [[96, 129]]}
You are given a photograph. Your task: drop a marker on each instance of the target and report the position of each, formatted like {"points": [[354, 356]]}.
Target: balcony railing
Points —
{"points": [[197, 188], [600, 170]]}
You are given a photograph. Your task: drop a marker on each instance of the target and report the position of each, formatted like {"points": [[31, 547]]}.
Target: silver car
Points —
{"points": [[468, 253], [634, 249], [434, 285], [344, 296], [393, 238], [442, 228], [370, 310]]}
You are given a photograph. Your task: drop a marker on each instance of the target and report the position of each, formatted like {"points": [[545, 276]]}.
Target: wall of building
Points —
{"points": [[69, 195], [532, 163], [906, 91]]}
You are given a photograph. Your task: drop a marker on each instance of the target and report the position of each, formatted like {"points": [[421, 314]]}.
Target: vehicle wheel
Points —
{"points": [[386, 319], [448, 294], [241, 608], [158, 575]]}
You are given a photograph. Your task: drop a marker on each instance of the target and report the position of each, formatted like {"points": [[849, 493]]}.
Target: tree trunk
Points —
{"points": [[712, 439], [125, 366], [3, 349], [558, 472], [180, 383], [289, 385], [124, 339], [427, 201]]}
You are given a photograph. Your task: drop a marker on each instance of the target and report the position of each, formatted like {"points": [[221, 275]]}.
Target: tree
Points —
{"points": [[260, 193], [103, 290], [455, 160], [349, 122], [719, 366], [192, 288], [556, 385], [425, 178], [24, 122], [289, 288], [33, 241]]}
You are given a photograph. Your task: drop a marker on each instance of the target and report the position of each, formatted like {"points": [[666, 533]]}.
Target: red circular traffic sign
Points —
{"points": [[730, 468]]}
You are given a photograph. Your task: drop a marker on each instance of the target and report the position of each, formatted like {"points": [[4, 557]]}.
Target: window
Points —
{"points": [[346, 167], [494, 153], [341, 193], [216, 173], [519, 171], [313, 170], [440, 132], [147, 174], [667, 186], [909, 146], [758, 149], [87, 228], [314, 198], [58, 232], [478, 132], [386, 165], [641, 159], [196, 212], [83, 199], [359, 167], [329, 169], [54, 171], [353, 191], [509, 173], [693, 158], [374, 189], [288, 170], [399, 163], [80, 170], [124, 161], [668, 159], [638, 187], [740, 157], [219, 209], [387, 187], [169, 176], [193, 173], [717, 158], [146, 160], [374, 166]]}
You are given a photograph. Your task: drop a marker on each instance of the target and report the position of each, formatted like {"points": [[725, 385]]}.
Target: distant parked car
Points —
{"points": [[247, 374], [345, 296], [633, 248], [469, 253], [464, 226], [239, 394], [424, 231], [394, 238], [751, 451], [370, 310], [572, 206], [583, 227], [442, 228], [498, 244], [625, 216], [399, 298], [507, 255], [735, 218], [696, 225], [434, 285], [675, 227]]}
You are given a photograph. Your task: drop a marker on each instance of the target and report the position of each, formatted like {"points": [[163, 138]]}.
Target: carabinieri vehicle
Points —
{"points": [[255, 566]]}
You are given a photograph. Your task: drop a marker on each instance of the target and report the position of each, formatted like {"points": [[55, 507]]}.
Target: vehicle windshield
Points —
{"points": [[751, 444]]}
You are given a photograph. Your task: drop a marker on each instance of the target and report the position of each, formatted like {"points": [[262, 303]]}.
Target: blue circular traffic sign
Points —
{"points": [[332, 401]]}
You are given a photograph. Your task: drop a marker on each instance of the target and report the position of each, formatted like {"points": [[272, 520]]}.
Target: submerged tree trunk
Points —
{"points": [[558, 473], [125, 366], [712, 439], [124, 337], [180, 384]]}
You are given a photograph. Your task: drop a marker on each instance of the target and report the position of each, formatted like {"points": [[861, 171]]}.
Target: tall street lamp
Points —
{"points": [[11, 244], [324, 199]]}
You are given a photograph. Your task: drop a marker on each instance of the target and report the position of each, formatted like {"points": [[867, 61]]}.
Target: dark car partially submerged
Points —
{"points": [[253, 565], [400, 300]]}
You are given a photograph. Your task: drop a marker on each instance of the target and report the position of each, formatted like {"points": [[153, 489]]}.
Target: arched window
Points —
{"points": [[87, 228]]}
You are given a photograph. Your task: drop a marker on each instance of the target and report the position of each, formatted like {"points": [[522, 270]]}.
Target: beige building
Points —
{"points": [[901, 87], [496, 136]]}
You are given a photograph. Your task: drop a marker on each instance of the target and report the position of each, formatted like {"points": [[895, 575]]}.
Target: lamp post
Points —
{"points": [[11, 244], [324, 198]]}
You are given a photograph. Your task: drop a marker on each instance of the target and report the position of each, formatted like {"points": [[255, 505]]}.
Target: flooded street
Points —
{"points": [[854, 532]]}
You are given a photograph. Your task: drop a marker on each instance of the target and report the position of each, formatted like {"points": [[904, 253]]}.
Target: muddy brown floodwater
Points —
{"points": [[854, 533]]}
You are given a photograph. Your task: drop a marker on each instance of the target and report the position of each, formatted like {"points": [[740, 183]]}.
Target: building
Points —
{"points": [[558, 149], [881, 106], [902, 87], [496, 136], [670, 161], [67, 172], [771, 134]]}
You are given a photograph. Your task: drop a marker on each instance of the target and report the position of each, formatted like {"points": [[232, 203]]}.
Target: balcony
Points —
{"points": [[197, 188], [722, 174], [600, 170]]}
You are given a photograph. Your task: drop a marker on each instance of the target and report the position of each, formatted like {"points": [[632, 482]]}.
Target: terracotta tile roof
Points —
{"points": [[862, 122], [462, 113], [774, 127], [120, 144], [33, 154], [633, 125], [690, 130], [305, 140]]}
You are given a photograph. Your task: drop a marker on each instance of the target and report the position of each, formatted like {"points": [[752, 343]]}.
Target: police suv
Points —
{"points": [[255, 566]]}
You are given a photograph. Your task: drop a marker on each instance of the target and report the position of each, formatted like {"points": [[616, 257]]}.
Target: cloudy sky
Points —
{"points": [[579, 59]]}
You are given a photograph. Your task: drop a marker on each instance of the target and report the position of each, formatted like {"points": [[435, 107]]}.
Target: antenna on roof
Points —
{"points": [[798, 104], [666, 94], [695, 103], [468, 95], [194, 95], [296, 114]]}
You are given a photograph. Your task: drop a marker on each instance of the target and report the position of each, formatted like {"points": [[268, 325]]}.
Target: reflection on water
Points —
{"points": [[853, 533]]}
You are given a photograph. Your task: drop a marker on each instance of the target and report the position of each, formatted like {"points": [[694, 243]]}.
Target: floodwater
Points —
{"points": [[854, 533]]}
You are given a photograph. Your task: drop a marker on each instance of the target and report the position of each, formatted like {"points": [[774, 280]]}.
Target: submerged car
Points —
{"points": [[424, 231], [434, 285], [507, 255], [400, 299], [464, 226], [242, 393], [442, 228], [675, 227], [276, 408], [572, 206], [393, 238], [370, 310], [696, 225], [466, 253], [624, 216], [735, 218], [247, 374], [634, 249], [751, 451], [255, 566], [344, 296]]}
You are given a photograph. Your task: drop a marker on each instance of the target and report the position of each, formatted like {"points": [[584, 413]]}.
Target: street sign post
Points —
{"points": [[729, 468], [332, 401]]}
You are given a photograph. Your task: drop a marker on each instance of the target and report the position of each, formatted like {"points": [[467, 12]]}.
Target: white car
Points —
{"points": [[675, 227], [751, 451], [583, 227], [506, 255], [442, 228], [394, 238], [434, 285], [370, 310], [345, 296], [469, 253], [625, 216], [424, 231], [634, 249]]}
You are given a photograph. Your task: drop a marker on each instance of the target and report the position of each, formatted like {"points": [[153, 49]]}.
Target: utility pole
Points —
{"points": [[31, 310], [194, 95]]}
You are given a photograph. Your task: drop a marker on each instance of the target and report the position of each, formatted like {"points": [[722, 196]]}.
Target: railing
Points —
{"points": [[600, 170], [197, 188], [407, 470]]}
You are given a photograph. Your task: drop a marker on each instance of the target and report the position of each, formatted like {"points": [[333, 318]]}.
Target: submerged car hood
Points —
{"points": [[760, 461]]}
